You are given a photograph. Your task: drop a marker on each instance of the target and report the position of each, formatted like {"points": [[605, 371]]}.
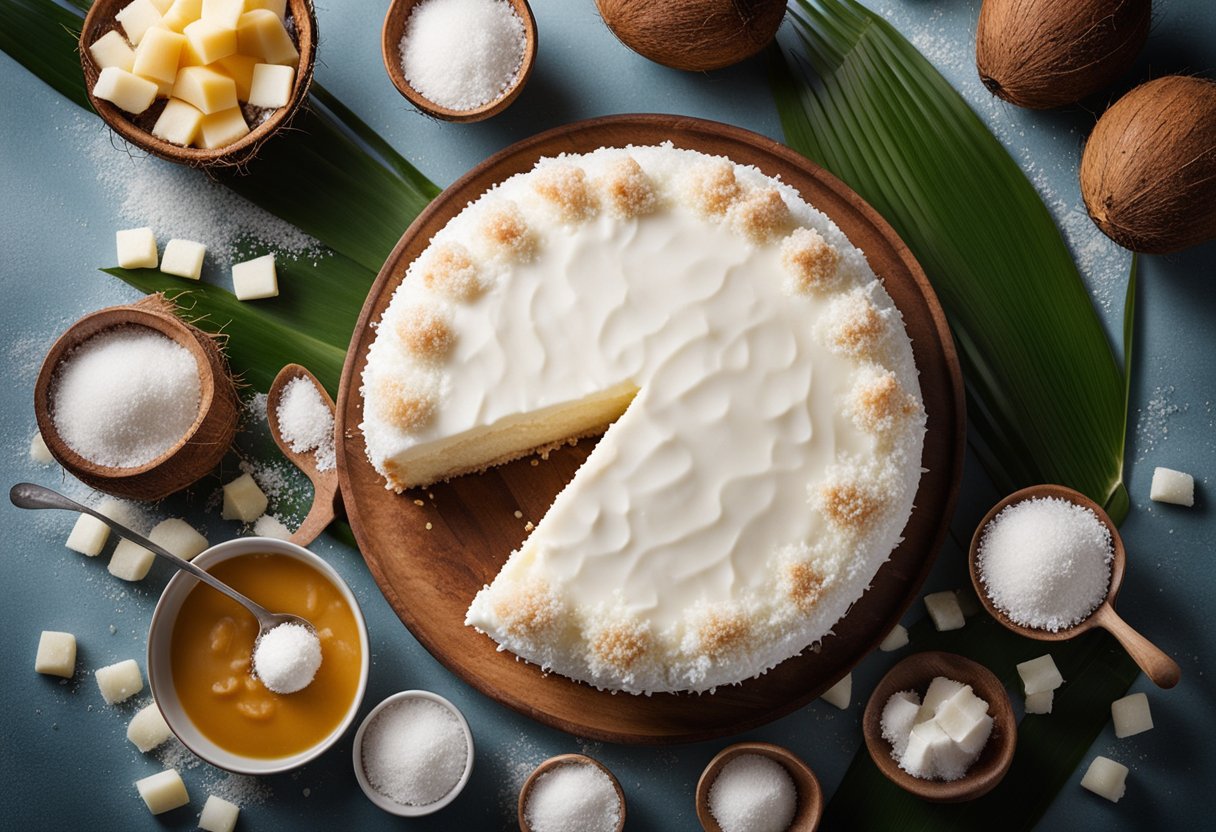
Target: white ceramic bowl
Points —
{"points": [[160, 671], [387, 803]]}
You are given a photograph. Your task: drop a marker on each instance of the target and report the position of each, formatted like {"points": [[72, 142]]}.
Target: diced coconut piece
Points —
{"points": [[130, 561], [148, 728], [178, 123], [1131, 715], [56, 654], [88, 536], [181, 13], [163, 791], [243, 500], [260, 32], [940, 689], [136, 18], [840, 693], [944, 610], [1039, 675], [898, 717], [158, 55], [897, 638], [179, 537], [207, 89], [112, 49], [136, 248], [1107, 778], [39, 452], [961, 713], [218, 815], [271, 85], [125, 90], [255, 279], [924, 744], [211, 40], [973, 741], [223, 12], [183, 258], [1170, 486], [223, 128], [1040, 703], [119, 681]]}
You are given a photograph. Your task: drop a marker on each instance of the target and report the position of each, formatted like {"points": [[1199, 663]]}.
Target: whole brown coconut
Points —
{"points": [[1148, 173], [1048, 53], [695, 35]]}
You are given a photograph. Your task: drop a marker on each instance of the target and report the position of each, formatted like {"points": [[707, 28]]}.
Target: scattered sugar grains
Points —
{"points": [[125, 396], [306, 422], [1045, 562], [462, 54], [575, 797], [414, 752], [287, 657], [753, 793]]}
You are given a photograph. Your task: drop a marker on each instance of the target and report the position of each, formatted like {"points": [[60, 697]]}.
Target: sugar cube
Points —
{"points": [[179, 537], [961, 713], [136, 18], [163, 791], [56, 654], [1170, 486], [271, 85], [218, 815], [1040, 703], [270, 526], [897, 638], [944, 610], [148, 728], [112, 49], [39, 452], [1039, 675], [898, 718], [940, 689], [255, 279], [119, 681], [925, 743], [973, 740], [125, 90], [137, 248], [1107, 778], [88, 536], [243, 500], [840, 693], [1131, 715], [183, 258], [130, 561]]}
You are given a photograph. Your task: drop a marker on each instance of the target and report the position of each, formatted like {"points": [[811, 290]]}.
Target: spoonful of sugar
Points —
{"points": [[287, 652]]}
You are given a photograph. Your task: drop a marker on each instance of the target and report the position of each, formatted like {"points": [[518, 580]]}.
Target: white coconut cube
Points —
{"points": [[119, 681], [959, 715], [1170, 486], [271, 85], [972, 741], [183, 258], [270, 526], [130, 561], [179, 537], [898, 718], [223, 12], [1040, 675], [148, 728], [897, 638], [1107, 778], [940, 689], [255, 279], [136, 18], [136, 248], [950, 759], [56, 654], [39, 452], [926, 743], [840, 693], [944, 610], [88, 536], [1131, 715], [243, 500], [218, 815], [179, 123], [158, 55], [1040, 703], [125, 90], [163, 791], [112, 49]]}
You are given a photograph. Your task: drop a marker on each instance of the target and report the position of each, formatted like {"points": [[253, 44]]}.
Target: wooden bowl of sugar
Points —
{"points": [[748, 766], [112, 401]]}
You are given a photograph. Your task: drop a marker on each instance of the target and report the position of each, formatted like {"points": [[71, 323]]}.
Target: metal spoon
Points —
{"points": [[29, 495]]}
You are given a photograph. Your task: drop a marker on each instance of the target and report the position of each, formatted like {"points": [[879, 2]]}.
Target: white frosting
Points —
{"points": [[697, 501]]}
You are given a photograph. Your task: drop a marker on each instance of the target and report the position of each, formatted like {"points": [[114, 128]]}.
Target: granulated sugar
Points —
{"points": [[753, 793], [462, 54], [125, 396], [1045, 562], [287, 658], [575, 797], [306, 423], [414, 752]]}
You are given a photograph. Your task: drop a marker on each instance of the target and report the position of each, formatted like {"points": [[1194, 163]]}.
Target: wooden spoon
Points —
{"points": [[915, 673], [390, 46], [325, 499], [1159, 667], [563, 760], [810, 795], [137, 129]]}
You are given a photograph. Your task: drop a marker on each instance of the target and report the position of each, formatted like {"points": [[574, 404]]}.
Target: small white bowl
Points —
{"points": [[387, 803], [160, 670]]}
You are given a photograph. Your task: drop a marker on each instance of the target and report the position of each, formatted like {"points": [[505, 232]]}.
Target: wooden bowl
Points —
{"points": [[1159, 667], [563, 760], [196, 453], [915, 673], [390, 46], [138, 129], [810, 795]]}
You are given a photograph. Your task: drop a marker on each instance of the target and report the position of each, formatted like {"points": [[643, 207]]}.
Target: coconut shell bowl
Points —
{"points": [[198, 451], [809, 808], [1159, 667], [395, 22], [137, 129]]}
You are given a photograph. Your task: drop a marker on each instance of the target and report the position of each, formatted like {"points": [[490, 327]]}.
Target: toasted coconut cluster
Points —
{"points": [[857, 327], [720, 633], [425, 332], [761, 215], [528, 610], [619, 646], [565, 188], [404, 405], [627, 190], [848, 506], [712, 187], [450, 270], [811, 262], [804, 584], [879, 403], [506, 234]]}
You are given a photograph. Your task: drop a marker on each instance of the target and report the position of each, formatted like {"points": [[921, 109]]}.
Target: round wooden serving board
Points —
{"points": [[431, 559]]}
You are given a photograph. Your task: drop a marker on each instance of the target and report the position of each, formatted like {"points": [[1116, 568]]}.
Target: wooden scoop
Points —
{"points": [[810, 796], [390, 45], [1159, 667], [325, 498]]}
